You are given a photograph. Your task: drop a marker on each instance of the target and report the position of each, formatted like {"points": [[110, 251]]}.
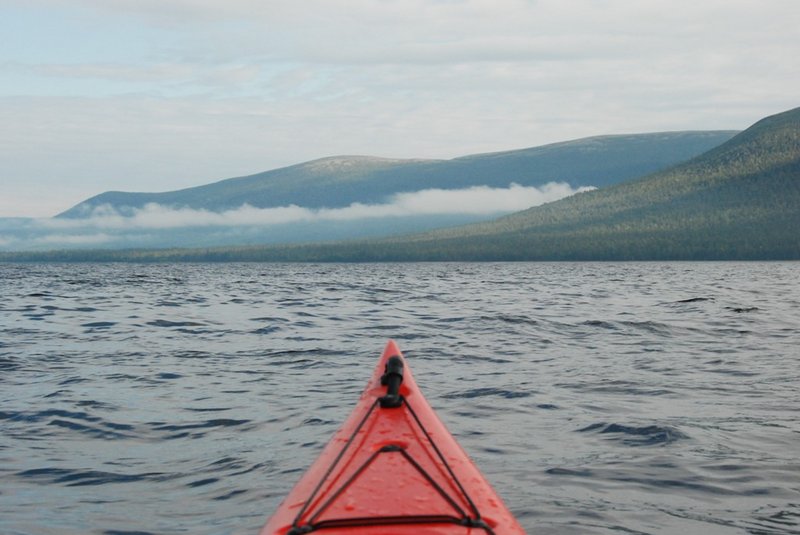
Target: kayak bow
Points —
{"points": [[392, 468]]}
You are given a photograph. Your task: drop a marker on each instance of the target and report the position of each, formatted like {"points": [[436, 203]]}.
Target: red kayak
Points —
{"points": [[393, 468]]}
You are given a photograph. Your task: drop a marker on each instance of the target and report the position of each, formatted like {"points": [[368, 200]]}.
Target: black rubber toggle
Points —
{"points": [[300, 530], [475, 523], [391, 378]]}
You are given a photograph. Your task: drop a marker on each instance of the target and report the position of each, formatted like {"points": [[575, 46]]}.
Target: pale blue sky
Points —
{"points": [[153, 95]]}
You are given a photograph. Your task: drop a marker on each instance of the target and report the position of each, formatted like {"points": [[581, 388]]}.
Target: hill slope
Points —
{"points": [[341, 181], [740, 200]]}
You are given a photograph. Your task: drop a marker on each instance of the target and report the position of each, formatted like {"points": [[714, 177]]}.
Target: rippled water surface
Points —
{"points": [[597, 398]]}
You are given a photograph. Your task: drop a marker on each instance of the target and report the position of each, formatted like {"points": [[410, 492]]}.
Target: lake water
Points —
{"points": [[597, 398]]}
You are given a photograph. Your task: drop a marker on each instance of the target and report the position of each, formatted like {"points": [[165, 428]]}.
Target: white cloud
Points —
{"points": [[479, 200], [156, 225]]}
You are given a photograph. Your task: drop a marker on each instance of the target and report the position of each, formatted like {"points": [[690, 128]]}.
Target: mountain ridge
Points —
{"points": [[738, 201], [338, 181]]}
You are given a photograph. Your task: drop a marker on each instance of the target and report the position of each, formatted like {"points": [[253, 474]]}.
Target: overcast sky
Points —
{"points": [[155, 95]]}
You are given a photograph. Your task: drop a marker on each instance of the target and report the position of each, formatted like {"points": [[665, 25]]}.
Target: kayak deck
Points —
{"points": [[392, 468]]}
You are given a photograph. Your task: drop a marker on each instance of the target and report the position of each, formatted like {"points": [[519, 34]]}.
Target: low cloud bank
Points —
{"points": [[158, 225], [478, 200]]}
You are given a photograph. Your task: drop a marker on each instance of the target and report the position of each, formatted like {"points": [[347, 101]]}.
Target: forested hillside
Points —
{"points": [[740, 200]]}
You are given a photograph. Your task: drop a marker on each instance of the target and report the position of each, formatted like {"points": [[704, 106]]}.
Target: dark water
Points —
{"points": [[598, 398]]}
